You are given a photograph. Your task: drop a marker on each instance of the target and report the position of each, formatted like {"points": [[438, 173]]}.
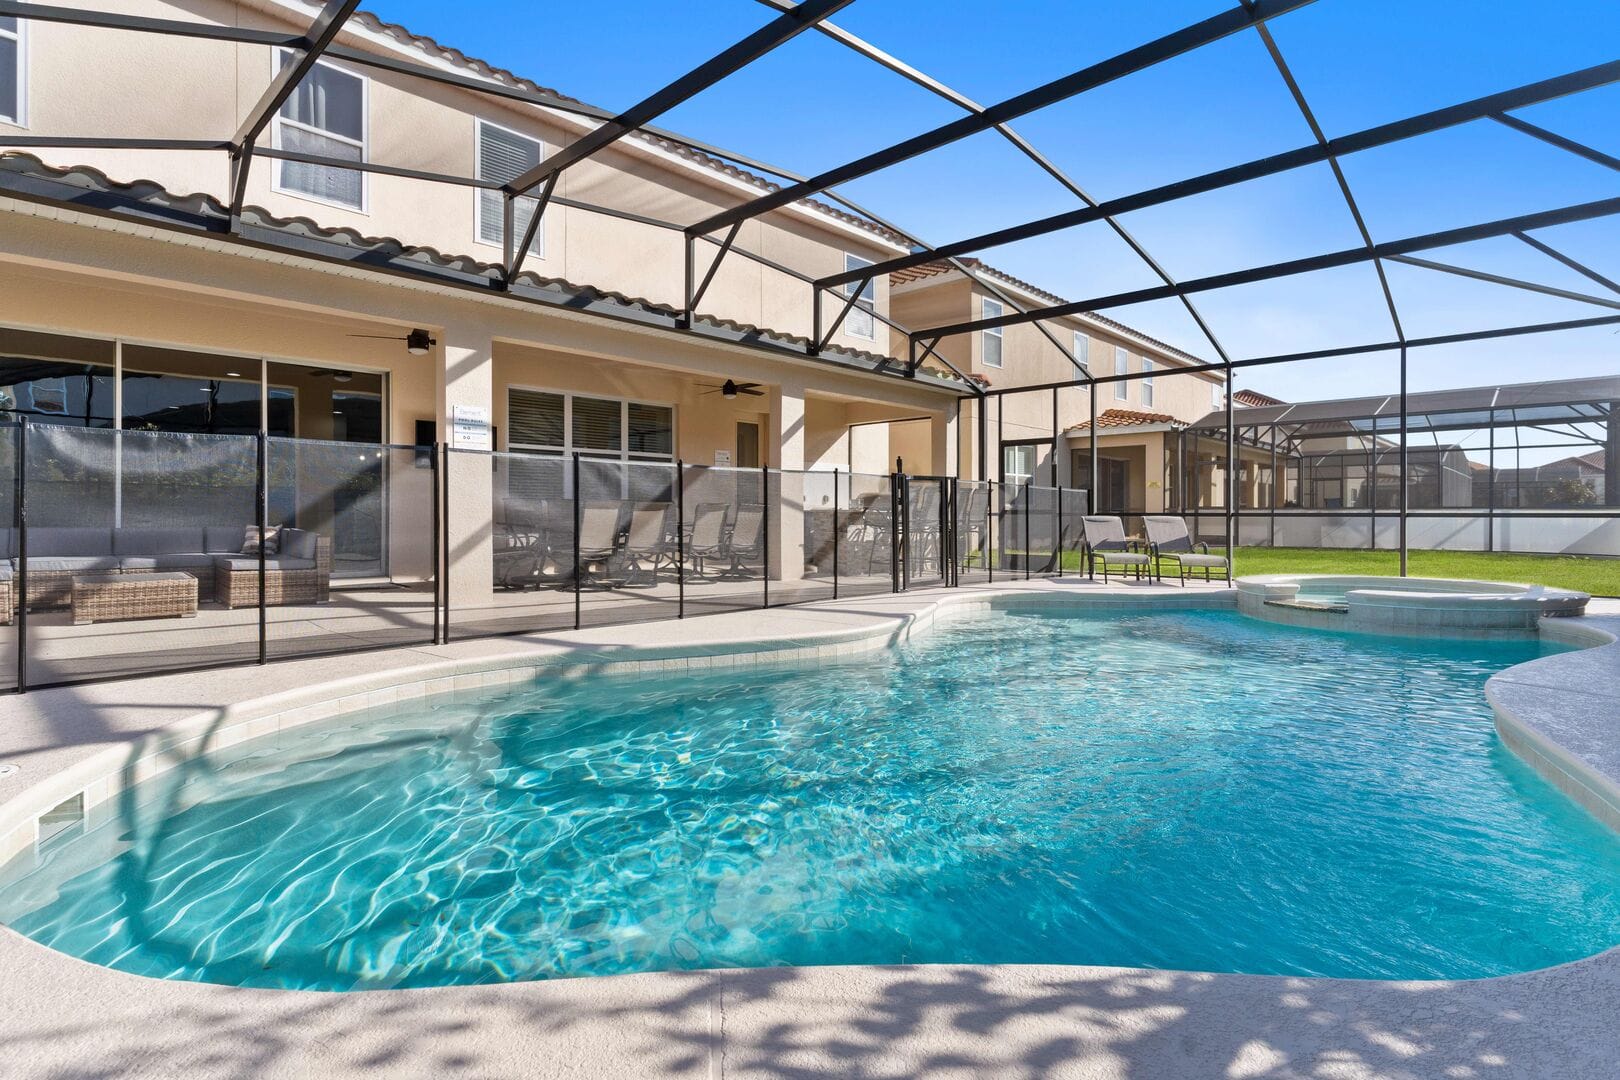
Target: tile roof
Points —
{"points": [[1255, 399], [935, 269], [147, 201], [437, 50], [1122, 418]]}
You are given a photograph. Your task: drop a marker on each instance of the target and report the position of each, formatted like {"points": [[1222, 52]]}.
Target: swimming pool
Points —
{"points": [[1192, 790]]}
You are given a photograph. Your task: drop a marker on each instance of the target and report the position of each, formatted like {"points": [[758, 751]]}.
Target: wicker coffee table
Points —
{"points": [[106, 597]]}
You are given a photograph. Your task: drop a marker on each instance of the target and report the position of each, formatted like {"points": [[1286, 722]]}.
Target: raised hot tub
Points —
{"points": [[1404, 605]]}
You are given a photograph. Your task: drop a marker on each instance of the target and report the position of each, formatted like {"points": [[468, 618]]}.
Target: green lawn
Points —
{"points": [[1600, 577]]}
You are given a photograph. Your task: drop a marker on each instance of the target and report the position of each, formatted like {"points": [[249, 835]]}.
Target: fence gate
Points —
{"points": [[924, 540]]}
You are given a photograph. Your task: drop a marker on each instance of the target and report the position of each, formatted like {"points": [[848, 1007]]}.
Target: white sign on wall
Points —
{"points": [[722, 457], [469, 427]]}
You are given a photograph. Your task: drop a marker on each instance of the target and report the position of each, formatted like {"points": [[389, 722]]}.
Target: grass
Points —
{"points": [[1600, 577]]}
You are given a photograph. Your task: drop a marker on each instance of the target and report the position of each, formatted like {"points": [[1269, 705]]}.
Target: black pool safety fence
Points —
{"points": [[138, 552]]}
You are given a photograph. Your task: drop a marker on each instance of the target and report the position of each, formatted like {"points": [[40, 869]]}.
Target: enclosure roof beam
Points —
{"points": [[1348, 257], [1366, 139], [1213, 29], [1513, 283]]}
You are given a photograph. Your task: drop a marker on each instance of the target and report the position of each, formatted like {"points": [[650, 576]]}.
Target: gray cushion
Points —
{"points": [[156, 541], [251, 562], [223, 538], [1190, 559], [193, 560], [298, 544], [1128, 557], [8, 543], [6, 572], [78, 564], [69, 541]]}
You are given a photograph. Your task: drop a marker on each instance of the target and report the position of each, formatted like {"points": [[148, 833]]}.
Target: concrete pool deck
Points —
{"points": [[61, 1017]]}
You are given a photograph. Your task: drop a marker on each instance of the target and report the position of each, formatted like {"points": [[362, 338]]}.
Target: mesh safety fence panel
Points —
{"points": [[517, 573], [727, 523], [972, 532], [1072, 504], [1041, 528], [10, 442], [866, 535], [130, 535], [927, 530], [803, 508], [353, 561], [628, 542]]}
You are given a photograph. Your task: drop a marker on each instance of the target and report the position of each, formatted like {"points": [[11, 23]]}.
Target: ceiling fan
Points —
{"points": [[417, 342], [731, 389]]}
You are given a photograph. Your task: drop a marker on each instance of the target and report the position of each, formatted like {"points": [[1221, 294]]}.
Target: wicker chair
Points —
{"points": [[301, 573]]}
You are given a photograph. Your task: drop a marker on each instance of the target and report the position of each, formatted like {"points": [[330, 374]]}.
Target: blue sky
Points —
{"points": [[812, 104]]}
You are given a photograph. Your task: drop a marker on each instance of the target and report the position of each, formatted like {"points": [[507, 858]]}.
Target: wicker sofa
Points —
{"points": [[300, 572]]}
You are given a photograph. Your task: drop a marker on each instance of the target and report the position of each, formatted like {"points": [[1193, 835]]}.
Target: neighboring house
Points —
{"points": [[1573, 481], [1043, 436]]}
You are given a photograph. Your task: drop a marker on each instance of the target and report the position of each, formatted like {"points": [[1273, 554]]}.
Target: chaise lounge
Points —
{"points": [[1107, 546], [1169, 541]]}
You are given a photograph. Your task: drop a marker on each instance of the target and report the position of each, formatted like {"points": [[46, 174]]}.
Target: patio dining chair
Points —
{"points": [[598, 541], [1169, 541], [707, 539], [746, 541], [1107, 546]]}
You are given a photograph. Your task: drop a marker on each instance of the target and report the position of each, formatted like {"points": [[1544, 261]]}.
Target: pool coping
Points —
{"points": [[1561, 713]]}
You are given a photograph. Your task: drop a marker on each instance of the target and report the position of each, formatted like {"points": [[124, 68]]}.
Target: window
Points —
{"points": [[1147, 383], [990, 344], [1122, 366], [1017, 464], [13, 82], [1082, 348], [551, 424], [503, 156], [1215, 399], [325, 115], [860, 322]]}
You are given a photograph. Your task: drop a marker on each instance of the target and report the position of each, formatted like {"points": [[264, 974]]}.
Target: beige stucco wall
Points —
{"points": [[90, 82]]}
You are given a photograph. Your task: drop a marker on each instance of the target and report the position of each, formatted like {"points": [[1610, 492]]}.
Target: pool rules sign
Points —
{"points": [[469, 428]]}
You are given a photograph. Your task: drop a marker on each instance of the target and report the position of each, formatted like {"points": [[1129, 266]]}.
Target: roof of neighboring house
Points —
{"points": [[942, 267], [483, 68], [1255, 399], [1125, 418], [148, 202]]}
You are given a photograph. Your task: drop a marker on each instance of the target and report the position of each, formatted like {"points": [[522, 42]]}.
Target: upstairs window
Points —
{"points": [[1147, 383], [11, 70], [1122, 366], [503, 156], [325, 115], [860, 323], [1082, 349], [990, 346], [1216, 401]]}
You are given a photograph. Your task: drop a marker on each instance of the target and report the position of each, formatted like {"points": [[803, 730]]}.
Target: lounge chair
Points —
{"points": [[1169, 541], [746, 541], [598, 537], [708, 537], [1107, 546], [647, 544]]}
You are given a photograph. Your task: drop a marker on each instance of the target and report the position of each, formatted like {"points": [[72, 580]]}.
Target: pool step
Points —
{"points": [[1337, 608]]}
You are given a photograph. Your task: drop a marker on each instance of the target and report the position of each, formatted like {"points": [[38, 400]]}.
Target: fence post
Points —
{"points": [[444, 547], [904, 532], [1057, 538], [578, 502], [261, 515], [765, 544], [1029, 540], [438, 556], [680, 539], [837, 534], [990, 511], [20, 513], [953, 575]]}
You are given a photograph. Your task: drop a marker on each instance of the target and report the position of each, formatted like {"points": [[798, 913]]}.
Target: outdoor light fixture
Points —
{"points": [[418, 342], [729, 390]]}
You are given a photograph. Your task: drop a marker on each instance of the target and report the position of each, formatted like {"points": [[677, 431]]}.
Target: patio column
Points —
{"points": [[942, 443], [785, 451], [465, 376]]}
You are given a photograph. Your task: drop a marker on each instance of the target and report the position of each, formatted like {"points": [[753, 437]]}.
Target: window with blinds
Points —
{"points": [[324, 115], [542, 422], [860, 321], [503, 156], [1122, 366], [1147, 383], [1082, 348]]}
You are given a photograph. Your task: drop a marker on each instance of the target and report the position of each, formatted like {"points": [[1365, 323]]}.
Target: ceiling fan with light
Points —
{"points": [[731, 389], [417, 342]]}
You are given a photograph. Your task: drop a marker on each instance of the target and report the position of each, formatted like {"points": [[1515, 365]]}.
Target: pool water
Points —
{"points": [[1190, 790]]}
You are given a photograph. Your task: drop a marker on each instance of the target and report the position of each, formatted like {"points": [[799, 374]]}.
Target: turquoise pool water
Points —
{"points": [[1185, 790]]}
